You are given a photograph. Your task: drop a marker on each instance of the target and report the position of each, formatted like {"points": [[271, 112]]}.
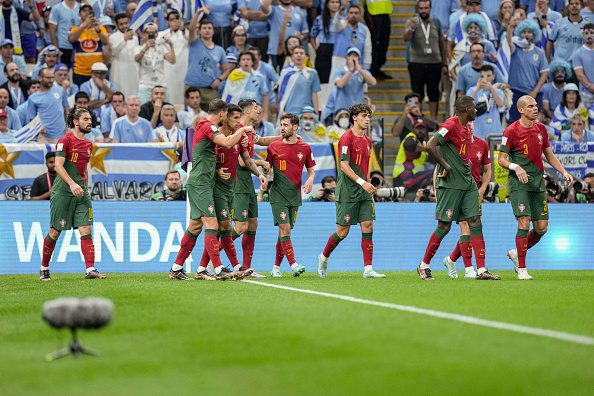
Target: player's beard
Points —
{"points": [[85, 130]]}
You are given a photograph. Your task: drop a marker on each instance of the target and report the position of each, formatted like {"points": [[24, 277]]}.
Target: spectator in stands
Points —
{"points": [[581, 58], [42, 185], [239, 37], [588, 11], [474, 25], [310, 127], [220, 14], [174, 71], [51, 103], [187, 116], [124, 69], [263, 127], [173, 188], [257, 32], [468, 75], [131, 128], [458, 34], [105, 8], [244, 83], [151, 57], [380, 28], [270, 76], [411, 115], [299, 86], [291, 43], [530, 5], [14, 121], [493, 97], [543, 12], [7, 52], [88, 40], [428, 59], [552, 92], [98, 87], [15, 85], [63, 17], [44, 38], [578, 132], [168, 131], [62, 79], [13, 17], [441, 10], [131, 9], [504, 16], [350, 81], [48, 58], [82, 100], [327, 192], [285, 20], [29, 30], [353, 34], [113, 111], [7, 135], [322, 37], [528, 64], [151, 110], [341, 123], [208, 63], [32, 87], [571, 104], [566, 35], [412, 168]]}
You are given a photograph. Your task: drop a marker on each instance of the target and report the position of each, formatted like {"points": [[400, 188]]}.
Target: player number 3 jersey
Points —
{"points": [[357, 151], [77, 154]]}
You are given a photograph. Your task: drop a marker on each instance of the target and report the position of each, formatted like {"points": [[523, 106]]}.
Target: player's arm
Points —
{"points": [[485, 178], [61, 171], [311, 173], [350, 173], [232, 140], [504, 162], [434, 152], [265, 140], [250, 164], [555, 163]]}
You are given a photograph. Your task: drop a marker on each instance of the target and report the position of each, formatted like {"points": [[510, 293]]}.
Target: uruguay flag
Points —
{"points": [[143, 14]]}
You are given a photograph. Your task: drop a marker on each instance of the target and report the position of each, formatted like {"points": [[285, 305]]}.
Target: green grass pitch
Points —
{"points": [[236, 338]]}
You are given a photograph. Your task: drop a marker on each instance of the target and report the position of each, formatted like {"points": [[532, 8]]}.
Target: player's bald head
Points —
{"points": [[525, 101]]}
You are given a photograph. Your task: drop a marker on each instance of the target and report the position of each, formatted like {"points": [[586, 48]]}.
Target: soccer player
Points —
{"points": [[70, 202], [227, 164], [522, 146], [245, 203], [480, 159], [354, 194], [287, 157], [200, 187], [457, 193]]}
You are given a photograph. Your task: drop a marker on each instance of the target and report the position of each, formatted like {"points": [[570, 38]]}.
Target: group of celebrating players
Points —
{"points": [[220, 189]]}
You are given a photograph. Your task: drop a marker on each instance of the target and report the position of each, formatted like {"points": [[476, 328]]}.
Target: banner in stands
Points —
{"points": [[145, 237]]}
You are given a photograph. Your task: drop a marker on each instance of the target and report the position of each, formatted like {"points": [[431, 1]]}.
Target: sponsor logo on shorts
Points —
{"points": [[224, 212], [347, 217], [283, 215], [211, 209], [62, 222], [244, 213], [449, 213], [522, 207]]}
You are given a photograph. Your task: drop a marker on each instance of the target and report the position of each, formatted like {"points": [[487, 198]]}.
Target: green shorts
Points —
{"points": [[68, 211], [223, 205], [530, 203], [284, 214], [201, 202], [457, 205], [351, 213], [245, 206]]}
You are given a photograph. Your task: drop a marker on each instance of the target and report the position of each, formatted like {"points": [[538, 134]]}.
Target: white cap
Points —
{"points": [[570, 87], [99, 66]]}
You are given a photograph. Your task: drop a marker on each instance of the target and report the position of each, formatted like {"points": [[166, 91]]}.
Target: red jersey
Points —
{"points": [[76, 151], [479, 156], [357, 151], [456, 142], [229, 157]]}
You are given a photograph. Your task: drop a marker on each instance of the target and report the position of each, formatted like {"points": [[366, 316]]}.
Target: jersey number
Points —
{"points": [[282, 165], [463, 149], [357, 159], [74, 157], [221, 158], [525, 149]]}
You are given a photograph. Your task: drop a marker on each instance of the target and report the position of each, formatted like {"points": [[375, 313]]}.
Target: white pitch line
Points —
{"points": [[559, 335]]}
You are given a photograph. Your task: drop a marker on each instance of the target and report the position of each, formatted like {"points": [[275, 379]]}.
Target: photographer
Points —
{"points": [[172, 191], [383, 192], [410, 116], [412, 168], [327, 192]]}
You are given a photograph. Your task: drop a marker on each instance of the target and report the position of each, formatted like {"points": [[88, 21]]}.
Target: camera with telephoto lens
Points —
{"points": [[391, 192], [491, 192], [426, 197], [329, 195]]}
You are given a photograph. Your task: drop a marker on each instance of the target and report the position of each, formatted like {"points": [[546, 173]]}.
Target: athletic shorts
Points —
{"points": [[351, 213], [457, 205], [530, 203], [284, 214], [245, 206], [68, 211], [201, 202], [223, 206]]}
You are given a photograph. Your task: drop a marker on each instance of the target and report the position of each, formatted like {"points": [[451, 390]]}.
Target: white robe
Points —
{"points": [[124, 69], [174, 74]]}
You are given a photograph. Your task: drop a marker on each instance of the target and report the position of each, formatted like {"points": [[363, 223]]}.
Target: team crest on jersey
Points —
{"points": [[539, 139], [347, 218], [56, 95], [300, 156], [283, 215], [211, 209], [244, 213], [479, 155], [522, 207], [224, 212], [449, 213], [535, 57], [62, 222]]}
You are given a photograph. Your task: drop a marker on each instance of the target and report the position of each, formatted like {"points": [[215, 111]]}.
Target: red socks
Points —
{"points": [[434, 242], [455, 255], [367, 247], [478, 245], [333, 241], [533, 238], [287, 247], [187, 244], [49, 245], [248, 241], [211, 243], [280, 255], [229, 247], [88, 250], [521, 247], [465, 249]]}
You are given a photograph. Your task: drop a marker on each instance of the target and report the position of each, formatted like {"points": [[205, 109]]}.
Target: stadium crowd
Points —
{"points": [[148, 69]]}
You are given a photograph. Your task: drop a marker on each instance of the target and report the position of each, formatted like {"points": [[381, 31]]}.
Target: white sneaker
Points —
{"points": [[513, 256], [372, 274], [470, 273], [276, 272], [322, 266], [451, 266], [523, 274], [258, 276], [210, 269]]}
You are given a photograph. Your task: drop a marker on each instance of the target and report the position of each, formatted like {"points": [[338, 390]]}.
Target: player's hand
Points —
{"points": [[522, 175], [248, 129], [568, 177], [481, 194], [266, 167], [308, 186], [223, 174], [444, 172], [77, 190], [369, 188], [263, 181]]}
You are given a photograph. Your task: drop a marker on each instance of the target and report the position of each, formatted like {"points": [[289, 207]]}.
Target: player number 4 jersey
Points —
{"points": [[357, 151], [456, 143], [77, 154]]}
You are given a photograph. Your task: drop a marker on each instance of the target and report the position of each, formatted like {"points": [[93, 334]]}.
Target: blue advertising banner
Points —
{"points": [[145, 237]]}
